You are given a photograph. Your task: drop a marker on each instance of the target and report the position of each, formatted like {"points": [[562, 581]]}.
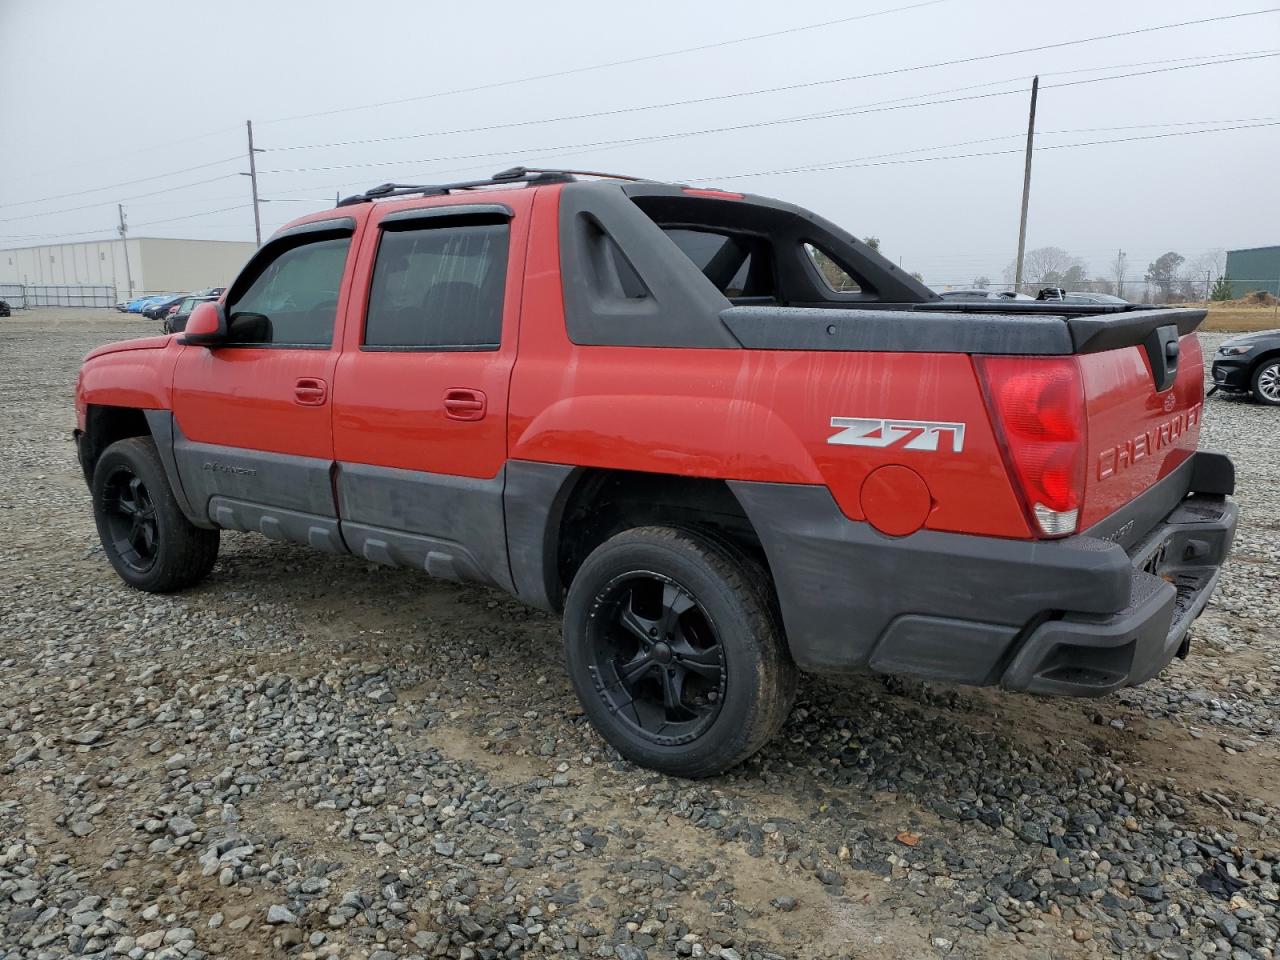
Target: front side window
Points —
{"points": [[294, 300], [438, 288]]}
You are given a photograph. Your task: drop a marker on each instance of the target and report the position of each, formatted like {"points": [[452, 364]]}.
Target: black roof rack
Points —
{"points": [[530, 175]]}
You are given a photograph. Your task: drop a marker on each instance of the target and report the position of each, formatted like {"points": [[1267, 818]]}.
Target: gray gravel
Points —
{"points": [[321, 758]]}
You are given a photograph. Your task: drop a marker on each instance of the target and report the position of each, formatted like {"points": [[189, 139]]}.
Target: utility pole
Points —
{"points": [[253, 182], [1026, 185], [124, 242]]}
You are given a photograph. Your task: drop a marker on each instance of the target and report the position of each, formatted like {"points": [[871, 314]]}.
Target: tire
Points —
{"points": [[150, 543], [676, 652], [1266, 382]]}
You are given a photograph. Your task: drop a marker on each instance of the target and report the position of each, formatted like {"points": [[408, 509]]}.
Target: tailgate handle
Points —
{"points": [[1163, 351]]}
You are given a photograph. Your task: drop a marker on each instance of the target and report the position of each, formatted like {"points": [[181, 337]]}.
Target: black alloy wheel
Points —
{"points": [[130, 517], [657, 661], [676, 651], [151, 544]]}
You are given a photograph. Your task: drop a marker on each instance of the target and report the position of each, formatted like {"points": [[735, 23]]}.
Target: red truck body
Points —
{"points": [[926, 487]]}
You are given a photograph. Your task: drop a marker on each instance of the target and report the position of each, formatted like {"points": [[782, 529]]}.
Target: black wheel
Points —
{"points": [[1266, 383], [144, 534], [675, 651]]}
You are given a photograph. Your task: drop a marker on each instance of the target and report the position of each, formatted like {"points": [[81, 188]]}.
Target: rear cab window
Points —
{"points": [[438, 285]]}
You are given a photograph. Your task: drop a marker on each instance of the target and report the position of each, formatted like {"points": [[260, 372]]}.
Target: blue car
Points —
{"points": [[138, 304]]}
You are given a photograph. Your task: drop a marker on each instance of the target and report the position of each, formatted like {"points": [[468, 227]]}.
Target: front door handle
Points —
{"points": [[310, 392], [462, 403]]}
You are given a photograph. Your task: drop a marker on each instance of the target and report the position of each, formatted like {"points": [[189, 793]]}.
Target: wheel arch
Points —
{"points": [[103, 426], [556, 515], [106, 424], [1269, 356]]}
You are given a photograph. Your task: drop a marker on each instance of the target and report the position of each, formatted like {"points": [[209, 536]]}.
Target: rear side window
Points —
{"points": [[294, 300], [833, 275], [739, 267], [438, 288]]}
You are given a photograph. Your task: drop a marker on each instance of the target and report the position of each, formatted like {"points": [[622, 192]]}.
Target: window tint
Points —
{"points": [[438, 287], [295, 299], [738, 267], [833, 275]]}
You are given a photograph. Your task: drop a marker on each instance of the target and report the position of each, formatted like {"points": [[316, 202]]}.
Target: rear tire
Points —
{"points": [[145, 535], [675, 651], [1266, 382]]}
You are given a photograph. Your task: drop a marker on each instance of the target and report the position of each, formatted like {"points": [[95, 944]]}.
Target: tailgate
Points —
{"points": [[1143, 404]]}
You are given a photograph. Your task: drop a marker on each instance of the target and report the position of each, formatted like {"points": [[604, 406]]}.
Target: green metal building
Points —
{"points": [[1257, 268]]}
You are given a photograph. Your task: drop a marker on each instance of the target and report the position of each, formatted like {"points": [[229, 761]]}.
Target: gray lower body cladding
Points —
{"points": [[1081, 616], [448, 526]]}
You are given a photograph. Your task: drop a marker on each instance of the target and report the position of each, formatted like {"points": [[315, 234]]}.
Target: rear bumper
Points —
{"points": [[1081, 616], [1173, 576]]}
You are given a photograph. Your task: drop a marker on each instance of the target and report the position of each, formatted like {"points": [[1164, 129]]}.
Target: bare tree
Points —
{"points": [[1049, 266], [982, 283], [1119, 267], [1199, 273]]}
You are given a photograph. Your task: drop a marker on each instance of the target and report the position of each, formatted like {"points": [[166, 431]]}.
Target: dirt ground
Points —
{"points": [[406, 765], [1234, 317]]}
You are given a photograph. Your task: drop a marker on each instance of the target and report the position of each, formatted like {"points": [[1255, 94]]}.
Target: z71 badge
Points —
{"points": [[907, 434]]}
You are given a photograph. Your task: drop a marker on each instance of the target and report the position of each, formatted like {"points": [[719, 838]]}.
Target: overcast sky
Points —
{"points": [[94, 94]]}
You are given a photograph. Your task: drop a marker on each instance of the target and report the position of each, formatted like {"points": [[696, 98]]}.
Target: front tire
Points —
{"points": [[1266, 382], [675, 651], [144, 534]]}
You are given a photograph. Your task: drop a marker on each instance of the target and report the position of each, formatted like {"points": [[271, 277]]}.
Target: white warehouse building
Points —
{"points": [[152, 265]]}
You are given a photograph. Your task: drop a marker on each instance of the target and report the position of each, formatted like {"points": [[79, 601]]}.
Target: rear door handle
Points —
{"points": [[310, 391], [461, 403]]}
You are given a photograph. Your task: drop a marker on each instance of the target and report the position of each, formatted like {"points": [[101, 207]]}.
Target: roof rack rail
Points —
{"points": [[530, 175]]}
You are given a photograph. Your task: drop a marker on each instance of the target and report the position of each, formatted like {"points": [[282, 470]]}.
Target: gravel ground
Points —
{"points": [[323, 758]]}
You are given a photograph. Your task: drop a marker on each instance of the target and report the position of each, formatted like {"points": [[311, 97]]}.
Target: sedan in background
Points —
{"points": [[978, 294], [1249, 363], [176, 320], [159, 309]]}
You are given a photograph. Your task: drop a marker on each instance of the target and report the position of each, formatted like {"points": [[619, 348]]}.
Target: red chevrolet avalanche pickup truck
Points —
{"points": [[722, 437]]}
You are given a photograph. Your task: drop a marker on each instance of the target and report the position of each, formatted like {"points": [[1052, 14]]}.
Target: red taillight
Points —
{"points": [[1037, 406]]}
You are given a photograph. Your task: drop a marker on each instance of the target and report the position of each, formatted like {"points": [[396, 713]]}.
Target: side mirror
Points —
{"points": [[207, 325]]}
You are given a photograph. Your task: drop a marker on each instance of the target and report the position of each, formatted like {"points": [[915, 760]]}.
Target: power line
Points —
{"points": [[756, 124], [98, 161], [620, 111], [602, 66], [875, 160], [112, 203], [858, 162], [145, 223], [123, 183]]}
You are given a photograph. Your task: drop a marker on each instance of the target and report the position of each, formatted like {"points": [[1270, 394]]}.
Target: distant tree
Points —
{"points": [[1221, 288], [1198, 273], [1162, 273], [982, 283], [1119, 267], [1211, 263], [918, 276], [1074, 277], [1048, 267], [872, 242]]}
